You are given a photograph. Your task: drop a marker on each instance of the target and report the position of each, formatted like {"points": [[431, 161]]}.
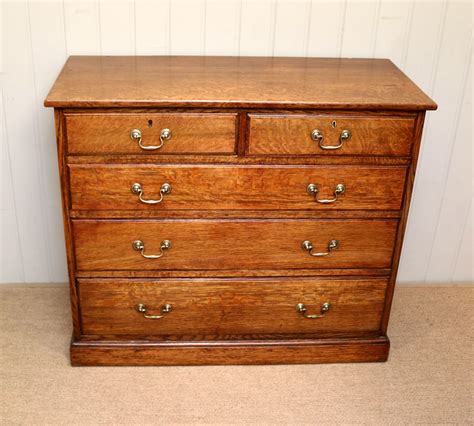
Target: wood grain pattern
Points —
{"points": [[90, 134], [231, 306], [239, 164], [317, 160], [231, 81], [239, 188], [403, 221], [238, 273], [238, 214], [225, 338], [291, 135], [233, 244], [304, 351], [65, 199]]}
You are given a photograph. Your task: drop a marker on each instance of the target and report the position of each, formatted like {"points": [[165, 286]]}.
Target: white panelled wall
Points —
{"points": [[431, 41]]}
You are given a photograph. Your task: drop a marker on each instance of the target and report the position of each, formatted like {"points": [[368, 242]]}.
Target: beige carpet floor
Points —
{"points": [[428, 379]]}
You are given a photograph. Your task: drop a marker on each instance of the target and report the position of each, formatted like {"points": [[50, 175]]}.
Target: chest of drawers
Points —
{"points": [[234, 210]]}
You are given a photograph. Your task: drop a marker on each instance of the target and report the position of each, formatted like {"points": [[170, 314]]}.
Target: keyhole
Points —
{"points": [[150, 123], [334, 124]]}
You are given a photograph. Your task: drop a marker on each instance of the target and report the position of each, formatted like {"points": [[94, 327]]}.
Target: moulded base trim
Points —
{"points": [[307, 351]]}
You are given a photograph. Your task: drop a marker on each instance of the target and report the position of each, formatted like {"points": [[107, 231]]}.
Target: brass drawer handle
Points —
{"points": [[137, 189], [312, 189], [318, 136], [138, 245], [308, 246], [301, 308], [165, 309], [136, 136]]}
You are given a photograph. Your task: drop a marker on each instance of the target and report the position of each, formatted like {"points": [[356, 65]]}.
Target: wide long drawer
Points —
{"points": [[102, 245], [175, 187], [148, 134], [305, 134], [231, 307]]}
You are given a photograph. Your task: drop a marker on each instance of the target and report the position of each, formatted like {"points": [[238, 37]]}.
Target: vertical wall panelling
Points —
{"points": [[256, 27], [152, 27], [464, 268], [421, 67], [433, 167], [48, 56], [187, 27], [22, 139], [391, 30], [11, 264], [325, 28], [408, 28], [2, 37], [291, 28], [117, 27], [81, 25], [360, 26], [222, 27], [6, 184], [430, 40], [456, 193]]}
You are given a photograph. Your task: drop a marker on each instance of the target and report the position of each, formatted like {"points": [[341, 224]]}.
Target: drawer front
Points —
{"points": [[96, 134], [225, 307], [292, 135], [102, 245], [105, 187]]}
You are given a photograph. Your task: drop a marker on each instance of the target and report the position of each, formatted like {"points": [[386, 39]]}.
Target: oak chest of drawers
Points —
{"points": [[234, 210]]}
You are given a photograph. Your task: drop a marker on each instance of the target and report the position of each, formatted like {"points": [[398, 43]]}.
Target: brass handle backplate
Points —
{"points": [[165, 309], [308, 246], [301, 308], [136, 136], [137, 189], [312, 189], [139, 245], [317, 135]]}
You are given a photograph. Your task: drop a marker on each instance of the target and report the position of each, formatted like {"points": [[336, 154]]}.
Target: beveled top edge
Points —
{"points": [[234, 82]]}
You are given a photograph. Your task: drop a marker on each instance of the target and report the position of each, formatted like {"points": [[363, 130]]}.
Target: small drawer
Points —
{"points": [[330, 135], [151, 245], [199, 187], [231, 307], [149, 134]]}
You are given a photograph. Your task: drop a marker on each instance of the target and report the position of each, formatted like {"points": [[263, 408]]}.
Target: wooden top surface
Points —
{"points": [[249, 82]]}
